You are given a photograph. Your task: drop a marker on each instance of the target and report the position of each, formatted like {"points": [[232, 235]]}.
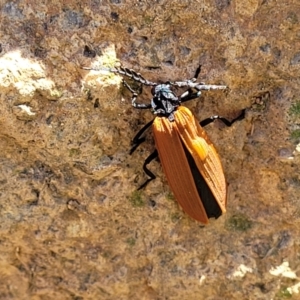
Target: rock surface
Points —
{"points": [[72, 224]]}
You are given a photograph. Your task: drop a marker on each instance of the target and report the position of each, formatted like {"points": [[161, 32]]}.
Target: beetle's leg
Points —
{"points": [[191, 83], [147, 171], [137, 140], [225, 121], [198, 70], [189, 95], [131, 89], [134, 97]]}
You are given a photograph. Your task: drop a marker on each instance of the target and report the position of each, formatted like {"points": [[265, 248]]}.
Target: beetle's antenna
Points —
{"points": [[198, 85], [99, 69], [125, 72], [191, 83]]}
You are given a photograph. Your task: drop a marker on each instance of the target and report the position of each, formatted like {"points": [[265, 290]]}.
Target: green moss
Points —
{"points": [[295, 134], [148, 20], [136, 199], [106, 254], [295, 109], [170, 196], [238, 222], [294, 112], [74, 152], [175, 217], [131, 241], [283, 294]]}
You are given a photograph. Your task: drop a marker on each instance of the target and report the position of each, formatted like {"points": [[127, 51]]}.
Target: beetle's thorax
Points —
{"points": [[164, 101]]}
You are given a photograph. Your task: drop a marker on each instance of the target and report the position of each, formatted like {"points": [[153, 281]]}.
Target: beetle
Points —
{"points": [[189, 159]]}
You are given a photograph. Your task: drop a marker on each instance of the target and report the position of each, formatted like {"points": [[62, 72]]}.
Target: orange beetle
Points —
{"points": [[189, 159]]}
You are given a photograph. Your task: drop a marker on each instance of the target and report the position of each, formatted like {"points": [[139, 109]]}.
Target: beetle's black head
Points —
{"points": [[164, 101]]}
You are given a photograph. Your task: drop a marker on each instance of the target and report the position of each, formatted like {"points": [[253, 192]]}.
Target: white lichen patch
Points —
{"points": [[24, 74], [101, 75], [297, 149], [26, 109], [202, 279], [283, 270], [241, 271], [294, 289]]}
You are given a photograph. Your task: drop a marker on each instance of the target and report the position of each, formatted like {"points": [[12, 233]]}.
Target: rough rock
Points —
{"points": [[73, 225]]}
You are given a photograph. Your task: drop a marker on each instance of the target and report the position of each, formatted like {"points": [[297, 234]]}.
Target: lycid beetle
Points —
{"points": [[188, 157]]}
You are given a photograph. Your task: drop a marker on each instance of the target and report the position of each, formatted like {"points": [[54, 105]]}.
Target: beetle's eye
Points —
{"points": [[153, 91]]}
